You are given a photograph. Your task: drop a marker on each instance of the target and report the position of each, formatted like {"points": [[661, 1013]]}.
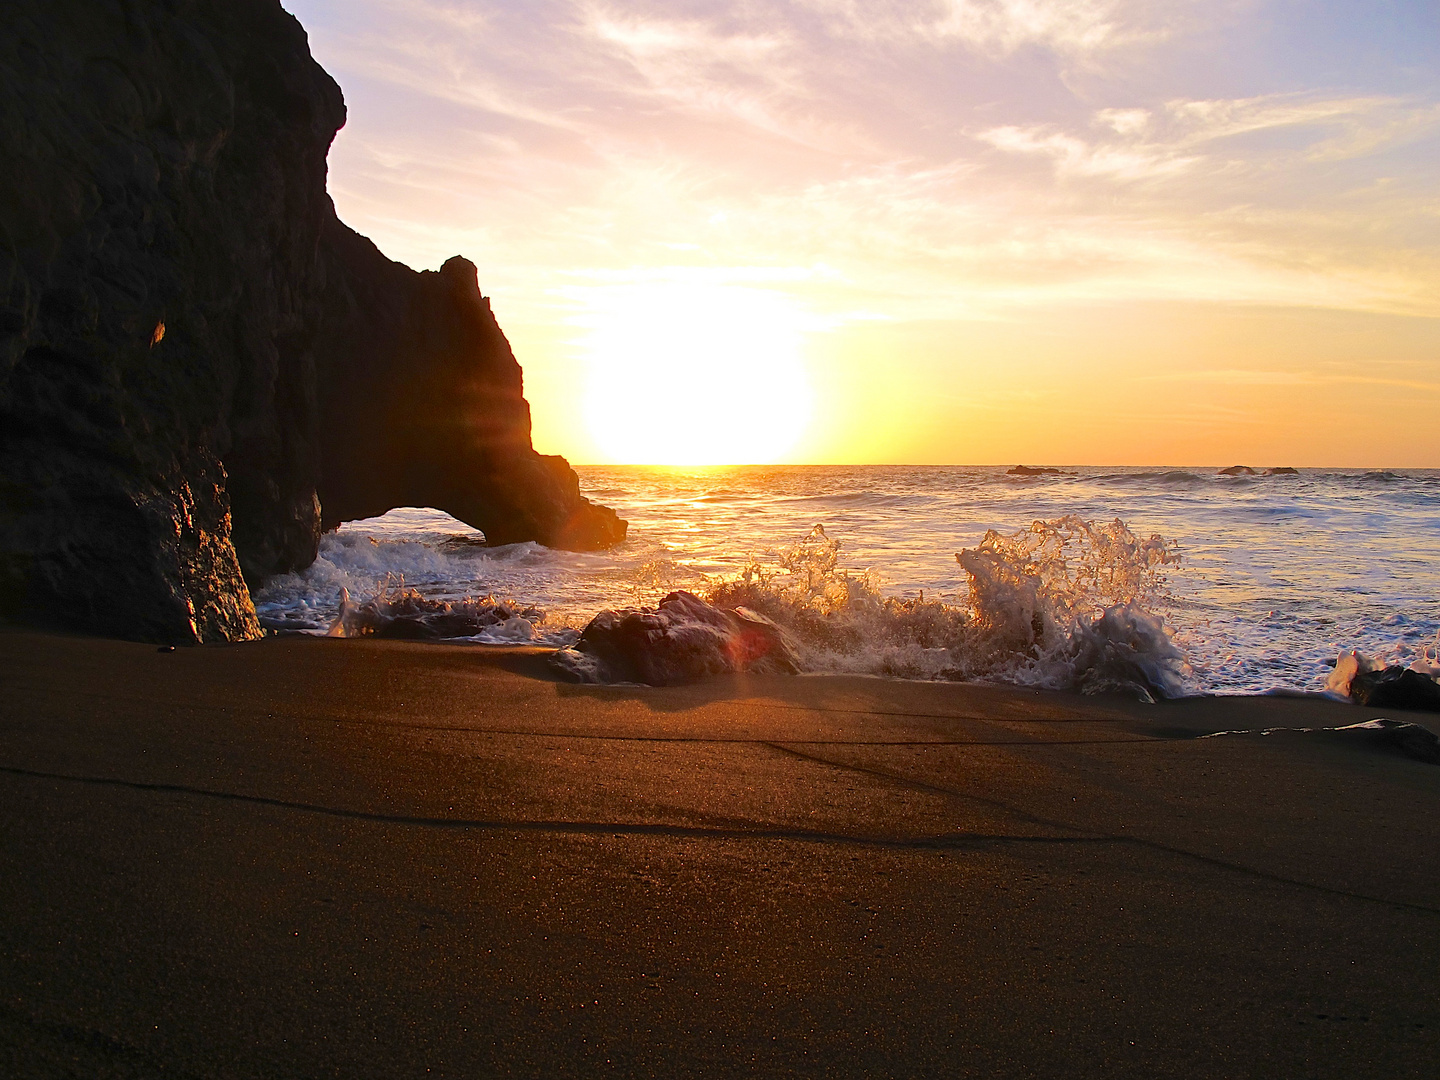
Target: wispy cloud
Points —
{"points": [[1140, 143], [929, 151], [1074, 156], [1000, 27], [1250, 377]]}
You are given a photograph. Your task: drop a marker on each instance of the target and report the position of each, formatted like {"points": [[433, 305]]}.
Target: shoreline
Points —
{"points": [[547, 649], [374, 858]]}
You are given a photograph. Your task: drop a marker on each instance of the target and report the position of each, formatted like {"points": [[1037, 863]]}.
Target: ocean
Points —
{"points": [[1259, 581]]}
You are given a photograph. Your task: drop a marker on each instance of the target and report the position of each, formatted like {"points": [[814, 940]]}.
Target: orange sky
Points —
{"points": [[970, 231]]}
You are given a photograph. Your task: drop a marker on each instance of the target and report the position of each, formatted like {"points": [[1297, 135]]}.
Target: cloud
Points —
{"points": [[1071, 26], [1249, 377], [1073, 156], [929, 152], [1140, 143], [997, 28], [753, 76]]}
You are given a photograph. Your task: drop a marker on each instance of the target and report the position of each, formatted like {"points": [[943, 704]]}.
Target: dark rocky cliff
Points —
{"points": [[197, 360]]}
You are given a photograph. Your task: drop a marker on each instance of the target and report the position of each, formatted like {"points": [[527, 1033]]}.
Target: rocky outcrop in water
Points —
{"points": [[423, 405], [195, 355]]}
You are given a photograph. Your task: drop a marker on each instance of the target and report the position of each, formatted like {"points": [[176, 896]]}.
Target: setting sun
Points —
{"points": [[694, 374]]}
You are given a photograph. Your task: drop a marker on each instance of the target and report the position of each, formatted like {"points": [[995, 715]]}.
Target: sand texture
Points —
{"points": [[299, 857]]}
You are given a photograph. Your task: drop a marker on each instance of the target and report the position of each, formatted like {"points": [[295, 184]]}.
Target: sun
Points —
{"points": [[695, 374]]}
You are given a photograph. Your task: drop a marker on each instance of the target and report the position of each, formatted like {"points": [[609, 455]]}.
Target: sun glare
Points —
{"points": [[687, 374]]}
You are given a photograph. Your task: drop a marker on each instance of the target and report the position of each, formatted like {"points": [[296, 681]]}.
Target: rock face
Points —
{"points": [[195, 354], [423, 405]]}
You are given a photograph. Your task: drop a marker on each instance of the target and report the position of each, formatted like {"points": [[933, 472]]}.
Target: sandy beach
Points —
{"points": [[302, 857]]}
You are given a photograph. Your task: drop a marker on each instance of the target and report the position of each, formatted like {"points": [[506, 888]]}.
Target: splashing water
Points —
{"points": [[1281, 573], [399, 612], [1059, 605]]}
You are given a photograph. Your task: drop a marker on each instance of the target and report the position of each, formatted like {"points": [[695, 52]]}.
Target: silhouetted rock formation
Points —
{"points": [[1030, 470], [179, 309], [422, 405], [1283, 470], [1237, 470]]}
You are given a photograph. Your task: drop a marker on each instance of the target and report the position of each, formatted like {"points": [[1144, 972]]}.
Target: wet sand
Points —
{"points": [[376, 859]]}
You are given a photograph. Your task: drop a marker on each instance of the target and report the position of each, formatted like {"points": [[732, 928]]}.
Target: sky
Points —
{"points": [[943, 231]]}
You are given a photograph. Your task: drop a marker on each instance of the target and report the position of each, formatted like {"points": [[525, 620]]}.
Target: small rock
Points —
{"points": [[1396, 687]]}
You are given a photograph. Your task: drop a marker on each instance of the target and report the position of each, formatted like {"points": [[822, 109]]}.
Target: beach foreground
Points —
{"points": [[301, 857]]}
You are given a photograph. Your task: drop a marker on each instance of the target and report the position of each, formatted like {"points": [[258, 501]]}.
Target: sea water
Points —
{"points": [[1259, 580]]}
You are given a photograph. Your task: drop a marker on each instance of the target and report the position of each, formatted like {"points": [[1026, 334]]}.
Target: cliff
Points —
{"points": [[198, 363]]}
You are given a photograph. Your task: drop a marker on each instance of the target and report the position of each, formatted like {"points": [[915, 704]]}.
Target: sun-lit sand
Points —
{"points": [[303, 857]]}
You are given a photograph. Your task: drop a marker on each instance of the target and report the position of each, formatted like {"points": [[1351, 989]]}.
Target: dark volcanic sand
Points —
{"points": [[306, 858]]}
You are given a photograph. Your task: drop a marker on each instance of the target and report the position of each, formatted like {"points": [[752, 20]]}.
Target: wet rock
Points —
{"points": [[1028, 470], [407, 615], [1237, 470], [1368, 682], [683, 639], [1283, 470], [1396, 687]]}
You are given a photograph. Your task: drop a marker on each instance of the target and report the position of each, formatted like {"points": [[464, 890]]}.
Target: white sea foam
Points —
{"points": [[1281, 573], [1061, 605]]}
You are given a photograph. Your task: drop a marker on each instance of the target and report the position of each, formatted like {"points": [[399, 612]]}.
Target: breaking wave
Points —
{"points": [[400, 612], [429, 588], [1063, 604], [1280, 577]]}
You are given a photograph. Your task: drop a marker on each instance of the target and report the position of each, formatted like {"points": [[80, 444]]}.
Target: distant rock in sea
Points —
{"points": [[199, 364], [1027, 470], [1246, 470]]}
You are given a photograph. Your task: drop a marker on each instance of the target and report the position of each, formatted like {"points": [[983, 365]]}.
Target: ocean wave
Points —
{"points": [[1060, 605], [1170, 477], [850, 499], [403, 582], [1279, 577], [400, 612]]}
